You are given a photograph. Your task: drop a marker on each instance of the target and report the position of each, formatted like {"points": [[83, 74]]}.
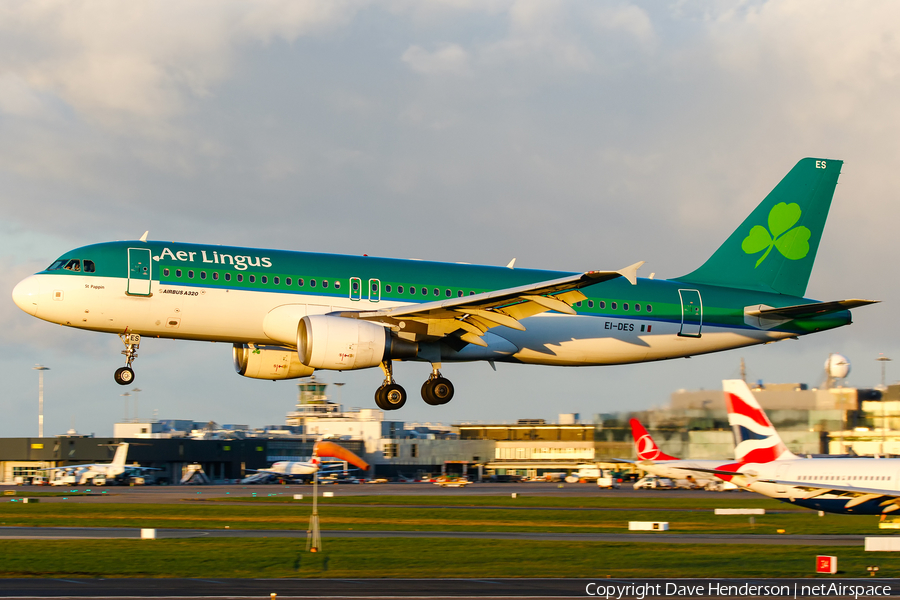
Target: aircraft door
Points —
{"points": [[780, 473], [691, 313], [355, 288], [374, 290], [139, 272]]}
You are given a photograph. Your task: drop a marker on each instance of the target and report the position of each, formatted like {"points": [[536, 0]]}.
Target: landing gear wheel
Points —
{"points": [[124, 376], [437, 391], [379, 398], [393, 396]]}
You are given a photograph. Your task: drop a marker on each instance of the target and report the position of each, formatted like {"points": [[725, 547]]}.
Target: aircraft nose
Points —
{"points": [[26, 293]]}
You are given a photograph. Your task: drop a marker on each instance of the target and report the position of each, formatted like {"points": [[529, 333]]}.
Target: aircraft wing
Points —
{"points": [[801, 311], [477, 313]]}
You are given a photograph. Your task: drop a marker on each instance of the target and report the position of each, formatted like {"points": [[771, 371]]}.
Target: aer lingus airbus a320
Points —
{"points": [[291, 313]]}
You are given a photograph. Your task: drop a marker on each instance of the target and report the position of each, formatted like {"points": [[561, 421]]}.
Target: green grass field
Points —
{"points": [[365, 558], [411, 557], [453, 513]]}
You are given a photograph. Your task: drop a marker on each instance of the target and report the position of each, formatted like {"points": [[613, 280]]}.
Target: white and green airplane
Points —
{"points": [[291, 313]]}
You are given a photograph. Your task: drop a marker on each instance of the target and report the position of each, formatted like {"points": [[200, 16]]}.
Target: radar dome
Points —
{"points": [[837, 366]]}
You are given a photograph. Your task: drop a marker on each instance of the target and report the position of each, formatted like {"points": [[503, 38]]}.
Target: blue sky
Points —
{"points": [[572, 136]]}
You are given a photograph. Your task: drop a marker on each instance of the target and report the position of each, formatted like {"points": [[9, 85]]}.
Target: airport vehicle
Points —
{"points": [[304, 470], [102, 473], [607, 480], [862, 486], [686, 473], [454, 482], [652, 482], [288, 314]]}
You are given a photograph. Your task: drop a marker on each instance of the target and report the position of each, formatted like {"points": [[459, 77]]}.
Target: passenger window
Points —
{"points": [[448, 293], [590, 304], [215, 276], [190, 274], [165, 272], [615, 305], [387, 288], [227, 276], [337, 285], [437, 292], [177, 272], [399, 289], [276, 280], [602, 304], [637, 308], [300, 282], [240, 278], [649, 308], [459, 294], [251, 278], [424, 291], [578, 304], [263, 279], [89, 266], [74, 265], [312, 283], [471, 293], [325, 283], [202, 274], [625, 306], [412, 291], [287, 281]]}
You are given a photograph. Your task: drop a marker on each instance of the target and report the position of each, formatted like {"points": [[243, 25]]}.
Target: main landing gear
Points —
{"points": [[125, 375], [436, 390]]}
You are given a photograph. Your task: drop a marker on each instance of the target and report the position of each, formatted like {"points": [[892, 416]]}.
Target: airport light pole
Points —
{"points": [[883, 359], [40, 369]]}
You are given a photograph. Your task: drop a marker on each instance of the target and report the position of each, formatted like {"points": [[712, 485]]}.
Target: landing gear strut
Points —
{"points": [[125, 375], [437, 389], [390, 396]]}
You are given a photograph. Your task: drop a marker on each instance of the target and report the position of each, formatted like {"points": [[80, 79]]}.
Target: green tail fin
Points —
{"points": [[775, 247]]}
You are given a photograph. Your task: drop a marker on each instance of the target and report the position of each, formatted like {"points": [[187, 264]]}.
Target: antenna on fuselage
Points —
{"points": [[512, 264], [144, 237]]}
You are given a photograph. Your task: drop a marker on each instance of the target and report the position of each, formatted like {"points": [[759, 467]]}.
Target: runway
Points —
{"points": [[662, 537], [457, 589]]}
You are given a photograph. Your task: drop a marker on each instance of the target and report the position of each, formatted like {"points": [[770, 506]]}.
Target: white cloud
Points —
{"points": [[449, 59]]}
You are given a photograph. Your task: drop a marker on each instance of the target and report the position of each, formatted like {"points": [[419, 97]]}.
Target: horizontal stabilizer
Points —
{"points": [[802, 311]]}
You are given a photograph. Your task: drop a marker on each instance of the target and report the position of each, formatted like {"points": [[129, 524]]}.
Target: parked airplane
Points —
{"points": [[862, 486], [304, 469], [100, 473], [290, 313], [654, 461]]}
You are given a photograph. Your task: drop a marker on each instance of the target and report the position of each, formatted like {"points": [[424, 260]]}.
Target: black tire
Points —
{"points": [[427, 394], [124, 376], [379, 398], [394, 396], [442, 390]]}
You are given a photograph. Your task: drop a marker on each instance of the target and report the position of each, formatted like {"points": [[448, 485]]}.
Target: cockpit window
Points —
{"points": [[89, 266], [57, 265], [74, 265]]}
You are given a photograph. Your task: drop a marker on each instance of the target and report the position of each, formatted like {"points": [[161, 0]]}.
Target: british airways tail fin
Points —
{"points": [[644, 445], [755, 438], [775, 247]]}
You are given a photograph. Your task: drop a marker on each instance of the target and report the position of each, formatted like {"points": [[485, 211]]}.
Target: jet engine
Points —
{"points": [[342, 344], [268, 362]]}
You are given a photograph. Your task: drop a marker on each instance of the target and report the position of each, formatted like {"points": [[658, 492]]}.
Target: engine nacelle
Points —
{"points": [[343, 344], [268, 362]]}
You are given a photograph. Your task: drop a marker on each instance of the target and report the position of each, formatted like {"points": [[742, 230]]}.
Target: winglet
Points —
{"points": [[144, 237], [630, 272]]}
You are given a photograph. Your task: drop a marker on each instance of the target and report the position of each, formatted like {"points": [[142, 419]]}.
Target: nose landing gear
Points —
{"points": [[125, 375]]}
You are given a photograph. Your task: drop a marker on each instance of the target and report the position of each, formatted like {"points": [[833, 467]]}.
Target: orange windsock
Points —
{"points": [[332, 450]]}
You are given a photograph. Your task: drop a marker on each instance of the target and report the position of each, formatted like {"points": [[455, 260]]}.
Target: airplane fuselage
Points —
{"points": [[864, 473], [251, 296]]}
